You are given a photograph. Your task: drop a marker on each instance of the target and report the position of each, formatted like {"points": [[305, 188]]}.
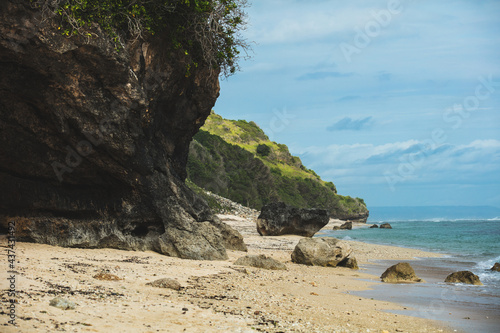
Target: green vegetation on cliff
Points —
{"points": [[235, 159], [208, 31]]}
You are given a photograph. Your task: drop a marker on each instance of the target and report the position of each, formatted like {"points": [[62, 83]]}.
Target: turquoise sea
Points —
{"points": [[467, 244]]}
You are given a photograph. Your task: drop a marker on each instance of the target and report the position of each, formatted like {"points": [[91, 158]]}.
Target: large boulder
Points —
{"points": [[400, 273], [464, 277], [95, 140], [346, 226], [496, 267], [279, 218], [260, 261], [374, 226], [321, 252], [385, 226]]}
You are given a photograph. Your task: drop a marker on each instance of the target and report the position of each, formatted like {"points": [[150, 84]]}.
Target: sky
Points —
{"points": [[395, 101]]}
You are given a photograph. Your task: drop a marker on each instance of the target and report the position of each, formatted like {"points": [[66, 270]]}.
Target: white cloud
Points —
{"points": [[408, 161], [303, 22]]}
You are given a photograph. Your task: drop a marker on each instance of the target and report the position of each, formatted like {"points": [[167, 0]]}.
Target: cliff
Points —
{"points": [[95, 140], [235, 159]]}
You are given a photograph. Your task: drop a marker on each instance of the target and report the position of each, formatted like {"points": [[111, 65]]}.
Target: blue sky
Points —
{"points": [[395, 101]]}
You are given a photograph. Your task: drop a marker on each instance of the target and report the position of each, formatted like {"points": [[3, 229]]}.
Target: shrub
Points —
{"points": [[263, 150]]}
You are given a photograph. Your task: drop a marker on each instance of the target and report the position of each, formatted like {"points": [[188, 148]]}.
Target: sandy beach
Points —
{"points": [[216, 296]]}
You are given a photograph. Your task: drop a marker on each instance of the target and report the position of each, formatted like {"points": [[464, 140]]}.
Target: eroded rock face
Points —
{"points": [[321, 252], [464, 277], [95, 141], [279, 218], [400, 273]]}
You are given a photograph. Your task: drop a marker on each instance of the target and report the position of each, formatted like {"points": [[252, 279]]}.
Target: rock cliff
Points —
{"points": [[94, 141]]}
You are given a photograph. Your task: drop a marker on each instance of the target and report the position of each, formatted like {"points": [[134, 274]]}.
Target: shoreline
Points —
{"points": [[216, 296]]}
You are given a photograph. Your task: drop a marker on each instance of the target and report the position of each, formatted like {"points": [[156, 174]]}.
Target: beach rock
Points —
{"points": [[464, 277], [336, 227], [62, 303], [349, 262], [106, 277], [279, 218], [95, 141], [165, 283], [320, 252], [260, 261], [374, 226], [496, 267], [385, 226], [400, 273], [346, 226]]}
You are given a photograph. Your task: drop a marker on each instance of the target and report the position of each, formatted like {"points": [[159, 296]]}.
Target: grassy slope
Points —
{"points": [[223, 159]]}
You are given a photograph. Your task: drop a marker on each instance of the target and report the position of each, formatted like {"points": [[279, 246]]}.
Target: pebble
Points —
{"points": [[62, 303]]}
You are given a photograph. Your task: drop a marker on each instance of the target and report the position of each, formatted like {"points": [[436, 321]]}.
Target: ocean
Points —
{"points": [[467, 244]]}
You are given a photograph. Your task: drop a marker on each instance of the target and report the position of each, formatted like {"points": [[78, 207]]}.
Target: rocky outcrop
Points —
{"points": [[346, 226], [281, 219], [385, 226], [321, 252], [496, 267], [464, 277], [400, 273], [374, 226], [260, 261], [359, 214], [95, 141]]}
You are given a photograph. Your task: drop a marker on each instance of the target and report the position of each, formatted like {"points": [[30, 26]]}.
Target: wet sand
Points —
{"points": [[464, 307]]}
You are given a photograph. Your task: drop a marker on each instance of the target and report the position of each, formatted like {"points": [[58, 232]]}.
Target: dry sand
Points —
{"points": [[216, 295]]}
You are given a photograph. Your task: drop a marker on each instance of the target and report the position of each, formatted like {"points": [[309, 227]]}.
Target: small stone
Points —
{"points": [[106, 277], [260, 261], [165, 283], [62, 303]]}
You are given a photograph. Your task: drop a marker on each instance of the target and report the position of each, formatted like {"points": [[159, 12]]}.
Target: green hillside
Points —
{"points": [[235, 159]]}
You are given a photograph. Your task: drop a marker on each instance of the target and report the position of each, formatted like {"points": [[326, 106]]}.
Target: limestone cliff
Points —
{"points": [[94, 141]]}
